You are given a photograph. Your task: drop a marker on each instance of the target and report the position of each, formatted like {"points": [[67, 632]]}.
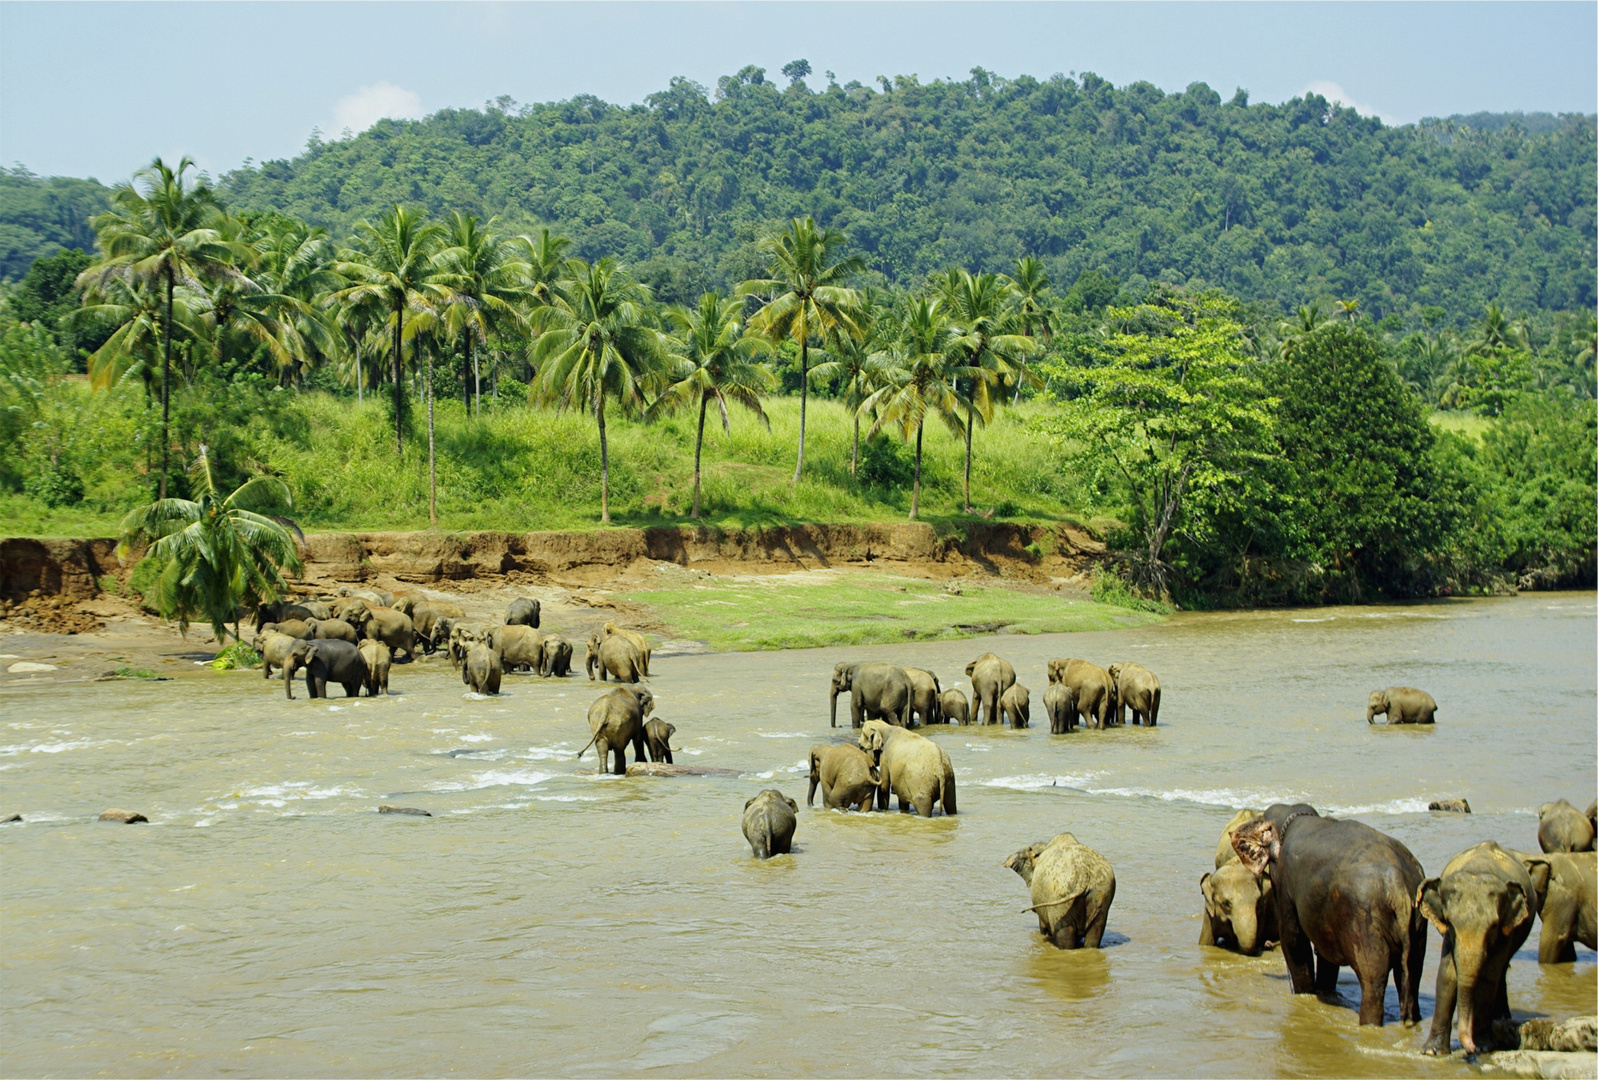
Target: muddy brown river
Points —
{"points": [[267, 921]]}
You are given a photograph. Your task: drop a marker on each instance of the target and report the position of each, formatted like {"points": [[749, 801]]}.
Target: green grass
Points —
{"points": [[798, 611], [1469, 424]]}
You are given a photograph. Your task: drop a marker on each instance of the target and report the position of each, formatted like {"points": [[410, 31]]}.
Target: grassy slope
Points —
{"points": [[1469, 424]]}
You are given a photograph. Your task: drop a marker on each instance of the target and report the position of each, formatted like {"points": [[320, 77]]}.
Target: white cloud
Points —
{"points": [[372, 103], [1336, 94]]}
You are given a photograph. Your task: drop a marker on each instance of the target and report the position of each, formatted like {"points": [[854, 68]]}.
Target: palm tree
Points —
{"points": [[393, 263], [295, 261], [807, 298], [217, 554], [595, 343], [1496, 332], [978, 310], [1030, 287], [714, 362], [487, 281], [917, 377], [163, 231], [546, 263], [138, 313], [850, 358]]}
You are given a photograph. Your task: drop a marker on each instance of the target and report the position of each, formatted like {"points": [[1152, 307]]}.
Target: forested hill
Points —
{"points": [[1280, 204]]}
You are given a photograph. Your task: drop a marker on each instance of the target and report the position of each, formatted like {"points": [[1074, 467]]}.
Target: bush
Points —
{"points": [[1111, 588], [54, 487], [887, 463], [236, 655]]}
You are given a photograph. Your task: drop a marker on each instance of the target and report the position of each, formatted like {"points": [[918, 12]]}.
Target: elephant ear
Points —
{"points": [[1541, 871], [1256, 844], [1204, 887], [1521, 907], [791, 804], [1429, 902], [750, 803]]}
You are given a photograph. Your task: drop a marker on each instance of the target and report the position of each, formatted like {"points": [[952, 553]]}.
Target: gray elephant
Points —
{"points": [[1060, 703], [1561, 827], [876, 691], [639, 643], [845, 776], [386, 625], [1136, 688], [990, 677], [924, 694], [954, 708], [520, 647], [1403, 705], [431, 621], [555, 656], [1091, 687], [523, 612], [1072, 887], [281, 611], [298, 629], [908, 765], [462, 636], [612, 655], [376, 655], [482, 670], [769, 821], [617, 722], [1568, 903], [1239, 911], [325, 662], [1016, 705], [657, 740], [1483, 905], [334, 630], [274, 649]]}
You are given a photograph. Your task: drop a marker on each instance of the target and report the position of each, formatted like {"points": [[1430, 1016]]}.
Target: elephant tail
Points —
{"points": [[946, 797], [1154, 707], [587, 744]]}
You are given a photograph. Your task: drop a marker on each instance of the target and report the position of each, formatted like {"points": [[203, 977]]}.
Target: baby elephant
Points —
{"points": [[378, 661], [555, 657], [1403, 705], [1239, 910], [482, 669], [657, 740], [1060, 703], [1016, 705], [845, 776], [1072, 889], [769, 823], [954, 707]]}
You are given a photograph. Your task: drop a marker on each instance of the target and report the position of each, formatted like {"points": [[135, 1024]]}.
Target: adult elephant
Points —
{"points": [[769, 822], [617, 722], [1561, 827], [657, 740], [1345, 894], [375, 653], [615, 657], [431, 622], [1072, 887], [274, 649], [1403, 705], [298, 629], [876, 691], [554, 656], [1483, 904], [462, 636], [845, 776], [482, 669], [990, 677], [954, 708], [639, 643], [281, 611], [324, 662], [384, 624], [523, 612], [334, 630], [1136, 688], [1060, 704], [1224, 852], [908, 765], [411, 603], [519, 647], [1016, 705], [1091, 687], [1568, 903], [924, 694], [1239, 910]]}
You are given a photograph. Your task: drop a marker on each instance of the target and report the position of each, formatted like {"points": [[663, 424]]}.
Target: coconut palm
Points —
{"points": [[295, 261], [545, 256], [849, 358], [487, 280], [1030, 286], [136, 312], [714, 361], [216, 554], [1496, 332], [393, 263], [161, 230], [595, 343], [806, 298]]}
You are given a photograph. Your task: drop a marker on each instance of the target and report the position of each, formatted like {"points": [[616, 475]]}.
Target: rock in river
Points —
{"points": [[1451, 806], [126, 817]]}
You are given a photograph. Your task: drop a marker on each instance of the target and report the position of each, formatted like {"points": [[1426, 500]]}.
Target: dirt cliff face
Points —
{"points": [[42, 581]]}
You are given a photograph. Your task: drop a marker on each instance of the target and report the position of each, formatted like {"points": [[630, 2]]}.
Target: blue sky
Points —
{"points": [[97, 89]]}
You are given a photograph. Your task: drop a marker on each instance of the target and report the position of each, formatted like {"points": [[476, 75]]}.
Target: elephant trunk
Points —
{"points": [[1468, 957], [834, 705], [1246, 929], [1370, 714]]}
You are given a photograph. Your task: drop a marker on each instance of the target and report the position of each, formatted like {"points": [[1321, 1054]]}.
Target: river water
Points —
{"points": [[548, 922]]}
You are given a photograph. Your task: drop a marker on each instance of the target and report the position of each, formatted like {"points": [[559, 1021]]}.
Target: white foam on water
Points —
{"points": [[496, 778], [1329, 618], [274, 794], [1226, 798], [696, 752], [566, 798], [335, 708], [782, 735], [477, 738], [546, 753], [978, 749], [57, 747], [1038, 780]]}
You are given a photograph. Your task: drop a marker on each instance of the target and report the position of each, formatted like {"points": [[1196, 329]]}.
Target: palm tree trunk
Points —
{"points": [[915, 495], [604, 464], [477, 381], [804, 397], [399, 382], [968, 457], [166, 384], [466, 381], [854, 453], [699, 443], [360, 380], [432, 469]]}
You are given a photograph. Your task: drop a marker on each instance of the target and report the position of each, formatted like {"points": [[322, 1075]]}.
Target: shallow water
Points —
{"points": [[547, 922]]}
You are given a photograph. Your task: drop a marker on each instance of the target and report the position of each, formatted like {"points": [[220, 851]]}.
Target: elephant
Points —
{"points": [[523, 612], [462, 636], [334, 630], [639, 643], [1347, 892], [554, 656], [1567, 902], [386, 625], [1016, 705], [876, 691], [482, 670], [274, 649], [1403, 705], [845, 776], [324, 662], [613, 656], [376, 655], [657, 740], [617, 721], [431, 622], [953, 707], [1136, 688], [1060, 703], [1091, 686], [990, 678], [298, 629], [410, 604], [769, 821], [910, 766], [1072, 887], [924, 694], [1223, 850], [1483, 904], [520, 647], [1561, 827], [1239, 911], [281, 611], [370, 596]]}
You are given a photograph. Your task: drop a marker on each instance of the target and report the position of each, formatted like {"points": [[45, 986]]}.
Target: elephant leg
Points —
{"points": [[857, 711], [1438, 1041], [923, 804], [1094, 936], [1297, 953], [352, 689], [1414, 961], [1325, 977]]}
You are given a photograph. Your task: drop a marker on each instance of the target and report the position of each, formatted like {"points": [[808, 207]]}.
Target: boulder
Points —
{"points": [[1540, 1064], [1577, 1033], [125, 817], [660, 768], [414, 811], [1450, 806], [9, 820]]}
